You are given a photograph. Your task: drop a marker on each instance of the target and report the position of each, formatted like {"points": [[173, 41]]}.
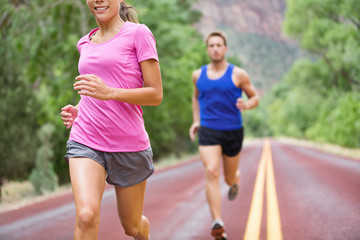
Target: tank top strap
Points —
{"points": [[227, 74], [229, 71], [204, 69]]}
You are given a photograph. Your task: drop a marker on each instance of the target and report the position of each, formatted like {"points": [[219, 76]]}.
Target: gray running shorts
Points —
{"points": [[124, 169]]}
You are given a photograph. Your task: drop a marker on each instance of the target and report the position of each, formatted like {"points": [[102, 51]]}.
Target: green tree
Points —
{"points": [[339, 110], [40, 58], [39, 64], [43, 177], [319, 95], [330, 29], [181, 50], [18, 107]]}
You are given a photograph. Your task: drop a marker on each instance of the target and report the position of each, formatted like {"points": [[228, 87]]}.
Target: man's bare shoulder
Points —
{"points": [[240, 76], [196, 74], [239, 72]]}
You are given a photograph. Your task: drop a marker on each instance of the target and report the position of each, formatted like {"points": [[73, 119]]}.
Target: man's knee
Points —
{"points": [[212, 174], [229, 180], [232, 178]]}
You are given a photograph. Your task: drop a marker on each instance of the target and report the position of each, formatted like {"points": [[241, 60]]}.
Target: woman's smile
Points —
{"points": [[101, 8]]}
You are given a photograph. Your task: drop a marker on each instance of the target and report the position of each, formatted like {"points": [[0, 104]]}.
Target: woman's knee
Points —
{"points": [[137, 228], [132, 229], [87, 217]]}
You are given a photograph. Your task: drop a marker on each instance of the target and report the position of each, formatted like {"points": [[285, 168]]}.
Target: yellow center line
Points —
{"points": [[252, 231], [273, 214]]}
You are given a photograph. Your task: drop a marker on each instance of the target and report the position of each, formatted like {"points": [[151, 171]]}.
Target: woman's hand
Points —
{"points": [[92, 86], [68, 115], [194, 130]]}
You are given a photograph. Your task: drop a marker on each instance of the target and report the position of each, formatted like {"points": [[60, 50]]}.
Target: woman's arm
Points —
{"points": [[151, 94]]}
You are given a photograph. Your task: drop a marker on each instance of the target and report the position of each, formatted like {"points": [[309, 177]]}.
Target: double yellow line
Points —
{"points": [[265, 169]]}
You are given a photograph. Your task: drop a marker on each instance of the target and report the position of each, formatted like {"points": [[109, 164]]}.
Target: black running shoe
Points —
{"points": [[233, 191], [218, 230]]}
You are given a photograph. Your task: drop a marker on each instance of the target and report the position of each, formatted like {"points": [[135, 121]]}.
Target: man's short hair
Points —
{"points": [[218, 34]]}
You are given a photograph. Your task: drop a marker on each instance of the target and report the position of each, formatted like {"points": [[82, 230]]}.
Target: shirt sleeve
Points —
{"points": [[81, 43], [145, 44]]}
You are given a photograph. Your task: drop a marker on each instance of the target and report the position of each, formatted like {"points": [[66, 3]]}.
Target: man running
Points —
{"points": [[217, 105]]}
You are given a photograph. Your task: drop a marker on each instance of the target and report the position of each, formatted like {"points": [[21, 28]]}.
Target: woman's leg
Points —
{"points": [[130, 203], [211, 158], [88, 184]]}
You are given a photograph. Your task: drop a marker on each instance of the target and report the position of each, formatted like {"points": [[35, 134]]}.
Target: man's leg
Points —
{"points": [[211, 158], [232, 174], [130, 202], [231, 169]]}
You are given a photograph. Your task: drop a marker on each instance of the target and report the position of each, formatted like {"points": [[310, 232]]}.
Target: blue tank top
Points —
{"points": [[217, 99]]}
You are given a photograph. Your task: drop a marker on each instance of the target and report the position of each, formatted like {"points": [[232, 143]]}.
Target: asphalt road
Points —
{"points": [[286, 192]]}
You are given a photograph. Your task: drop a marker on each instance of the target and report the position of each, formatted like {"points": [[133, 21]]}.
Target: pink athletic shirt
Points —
{"points": [[113, 126]]}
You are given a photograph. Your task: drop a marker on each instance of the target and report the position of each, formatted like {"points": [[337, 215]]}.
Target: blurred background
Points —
{"points": [[302, 56]]}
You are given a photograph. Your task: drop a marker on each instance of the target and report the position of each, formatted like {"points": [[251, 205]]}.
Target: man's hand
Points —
{"points": [[241, 104], [194, 130]]}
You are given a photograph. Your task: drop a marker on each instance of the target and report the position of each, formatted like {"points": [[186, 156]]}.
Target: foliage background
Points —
{"points": [[40, 62], [317, 99]]}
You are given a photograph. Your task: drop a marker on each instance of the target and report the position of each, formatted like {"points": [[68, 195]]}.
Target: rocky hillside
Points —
{"points": [[255, 35], [264, 17]]}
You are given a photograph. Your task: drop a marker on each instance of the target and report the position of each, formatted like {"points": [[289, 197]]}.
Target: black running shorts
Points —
{"points": [[231, 141]]}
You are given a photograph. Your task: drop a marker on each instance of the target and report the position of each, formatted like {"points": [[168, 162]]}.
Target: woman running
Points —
{"points": [[119, 71]]}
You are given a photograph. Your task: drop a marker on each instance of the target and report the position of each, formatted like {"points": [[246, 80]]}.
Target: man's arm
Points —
{"points": [[242, 80], [195, 106]]}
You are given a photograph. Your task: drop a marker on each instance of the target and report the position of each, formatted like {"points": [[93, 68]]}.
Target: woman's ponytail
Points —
{"points": [[128, 12]]}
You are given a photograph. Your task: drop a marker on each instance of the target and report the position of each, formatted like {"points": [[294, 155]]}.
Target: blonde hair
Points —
{"points": [[217, 34], [128, 12]]}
